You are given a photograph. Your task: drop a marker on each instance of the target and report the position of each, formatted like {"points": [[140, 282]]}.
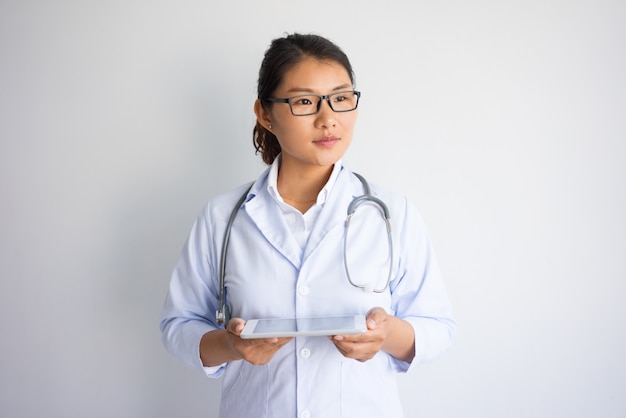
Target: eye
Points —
{"points": [[303, 101], [344, 96]]}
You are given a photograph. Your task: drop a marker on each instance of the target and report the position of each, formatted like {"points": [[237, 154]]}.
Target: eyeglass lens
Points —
{"points": [[310, 104]]}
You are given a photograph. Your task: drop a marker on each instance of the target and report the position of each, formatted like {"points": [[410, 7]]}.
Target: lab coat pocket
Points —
{"points": [[367, 389], [245, 386]]}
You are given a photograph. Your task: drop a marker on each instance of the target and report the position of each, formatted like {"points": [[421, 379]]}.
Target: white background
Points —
{"points": [[504, 122]]}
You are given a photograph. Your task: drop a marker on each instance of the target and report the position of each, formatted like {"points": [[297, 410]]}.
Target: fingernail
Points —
{"points": [[338, 337]]}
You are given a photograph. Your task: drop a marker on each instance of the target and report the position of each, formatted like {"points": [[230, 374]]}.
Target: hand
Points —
{"points": [[257, 350], [363, 347]]}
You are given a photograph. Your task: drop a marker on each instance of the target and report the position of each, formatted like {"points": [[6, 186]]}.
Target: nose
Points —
{"points": [[326, 115]]}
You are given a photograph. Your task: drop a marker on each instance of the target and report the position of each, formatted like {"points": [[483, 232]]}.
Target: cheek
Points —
{"points": [[351, 117], [350, 121], [287, 128]]}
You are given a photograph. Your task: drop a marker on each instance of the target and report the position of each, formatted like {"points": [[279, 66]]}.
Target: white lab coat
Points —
{"points": [[268, 275]]}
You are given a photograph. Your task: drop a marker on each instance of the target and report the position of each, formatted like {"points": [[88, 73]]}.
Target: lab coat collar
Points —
{"points": [[267, 215]]}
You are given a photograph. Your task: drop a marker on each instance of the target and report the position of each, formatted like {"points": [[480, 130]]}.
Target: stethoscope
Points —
{"points": [[223, 314]]}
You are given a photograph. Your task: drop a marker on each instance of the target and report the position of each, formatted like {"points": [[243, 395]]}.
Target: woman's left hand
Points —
{"points": [[363, 347]]}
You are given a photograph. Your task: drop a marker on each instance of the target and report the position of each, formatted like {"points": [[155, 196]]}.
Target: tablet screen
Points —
{"points": [[291, 327]]}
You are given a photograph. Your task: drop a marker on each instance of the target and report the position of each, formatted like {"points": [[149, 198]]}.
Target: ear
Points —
{"points": [[262, 115]]}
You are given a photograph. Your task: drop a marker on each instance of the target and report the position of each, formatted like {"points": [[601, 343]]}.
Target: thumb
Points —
{"points": [[235, 326], [374, 317]]}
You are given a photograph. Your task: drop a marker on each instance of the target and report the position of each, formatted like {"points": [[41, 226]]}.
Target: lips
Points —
{"points": [[326, 140]]}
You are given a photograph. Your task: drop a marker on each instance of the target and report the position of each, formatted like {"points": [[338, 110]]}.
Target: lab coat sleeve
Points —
{"points": [[418, 293], [193, 296]]}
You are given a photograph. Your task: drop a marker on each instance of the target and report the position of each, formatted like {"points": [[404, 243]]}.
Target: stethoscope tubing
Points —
{"points": [[356, 202], [223, 314]]}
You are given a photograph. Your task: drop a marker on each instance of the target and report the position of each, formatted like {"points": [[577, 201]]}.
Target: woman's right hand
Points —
{"points": [[256, 350]]}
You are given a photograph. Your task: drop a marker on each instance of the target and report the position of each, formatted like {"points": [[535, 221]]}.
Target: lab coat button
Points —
{"points": [[305, 353], [303, 290], [305, 414]]}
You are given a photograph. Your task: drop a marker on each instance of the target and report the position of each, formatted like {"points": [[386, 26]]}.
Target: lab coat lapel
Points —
{"points": [[335, 210], [267, 216]]}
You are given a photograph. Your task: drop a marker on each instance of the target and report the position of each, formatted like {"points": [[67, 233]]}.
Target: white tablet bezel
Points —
{"points": [[320, 326]]}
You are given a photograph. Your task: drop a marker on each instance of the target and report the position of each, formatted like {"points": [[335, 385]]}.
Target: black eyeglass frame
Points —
{"points": [[319, 104]]}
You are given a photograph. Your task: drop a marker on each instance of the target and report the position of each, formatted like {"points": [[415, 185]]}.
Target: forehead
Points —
{"points": [[315, 75]]}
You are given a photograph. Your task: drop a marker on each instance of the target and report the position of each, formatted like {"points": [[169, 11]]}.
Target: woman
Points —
{"points": [[286, 259]]}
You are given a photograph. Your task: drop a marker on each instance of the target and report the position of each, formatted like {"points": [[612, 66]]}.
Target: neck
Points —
{"points": [[302, 186], [289, 199]]}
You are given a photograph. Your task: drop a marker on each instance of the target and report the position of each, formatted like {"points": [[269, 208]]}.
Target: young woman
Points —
{"points": [[286, 259]]}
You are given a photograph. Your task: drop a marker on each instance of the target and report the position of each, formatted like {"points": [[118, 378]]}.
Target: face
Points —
{"points": [[318, 140]]}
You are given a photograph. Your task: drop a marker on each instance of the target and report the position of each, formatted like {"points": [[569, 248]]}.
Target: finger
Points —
{"points": [[235, 326], [283, 341], [367, 337], [375, 316], [356, 351], [272, 343]]}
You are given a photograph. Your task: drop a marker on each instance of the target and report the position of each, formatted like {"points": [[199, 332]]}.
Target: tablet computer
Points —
{"points": [[293, 327]]}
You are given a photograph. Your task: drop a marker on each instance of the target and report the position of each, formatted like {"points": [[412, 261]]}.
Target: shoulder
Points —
{"points": [[221, 205], [400, 207], [228, 199], [389, 196]]}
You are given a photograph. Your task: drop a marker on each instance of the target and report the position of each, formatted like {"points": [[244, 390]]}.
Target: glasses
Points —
{"points": [[310, 104]]}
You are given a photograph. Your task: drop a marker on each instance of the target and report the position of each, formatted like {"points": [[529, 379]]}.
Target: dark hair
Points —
{"points": [[280, 57]]}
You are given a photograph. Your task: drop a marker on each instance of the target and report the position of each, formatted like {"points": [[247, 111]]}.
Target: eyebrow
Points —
{"points": [[307, 90]]}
